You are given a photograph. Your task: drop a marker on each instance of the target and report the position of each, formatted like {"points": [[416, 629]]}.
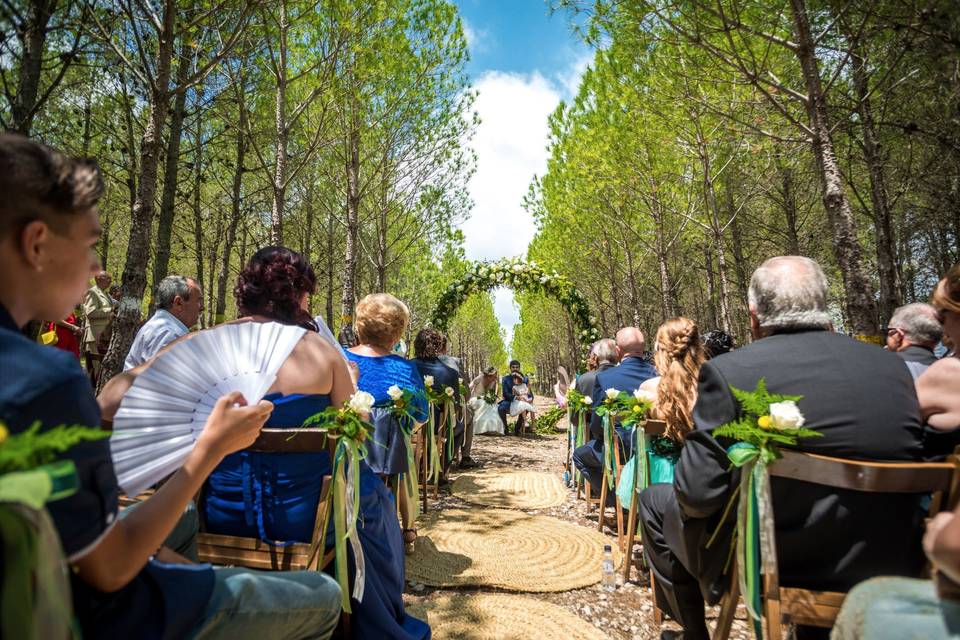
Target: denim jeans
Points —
{"points": [[289, 605], [896, 608]]}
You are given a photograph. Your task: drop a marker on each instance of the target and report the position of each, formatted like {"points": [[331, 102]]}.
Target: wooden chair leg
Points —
{"points": [[627, 547], [602, 506], [619, 509], [728, 608], [773, 623], [657, 611]]}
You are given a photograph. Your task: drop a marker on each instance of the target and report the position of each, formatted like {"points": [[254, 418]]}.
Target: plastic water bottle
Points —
{"points": [[609, 580]]}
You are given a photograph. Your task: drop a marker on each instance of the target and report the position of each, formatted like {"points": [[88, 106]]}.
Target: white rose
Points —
{"points": [[449, 391], [428, 381], [612, 394], [361, 402], [395, 392], [587, 400], [644, 395], [786, 415]]}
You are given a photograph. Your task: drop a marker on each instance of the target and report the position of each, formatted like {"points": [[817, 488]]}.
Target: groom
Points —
{"points": [[504, 407]]}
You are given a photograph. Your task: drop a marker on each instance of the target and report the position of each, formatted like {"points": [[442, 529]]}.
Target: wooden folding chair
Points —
{"points": [[254, 553], [651, 428], [785, 605], [601, 518]]}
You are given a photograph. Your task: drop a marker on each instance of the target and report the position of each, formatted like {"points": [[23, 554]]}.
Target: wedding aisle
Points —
{"points": [[473, 612]]}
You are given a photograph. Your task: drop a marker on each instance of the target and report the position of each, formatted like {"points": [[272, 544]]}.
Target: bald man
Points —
{"points": [[632, 371]]}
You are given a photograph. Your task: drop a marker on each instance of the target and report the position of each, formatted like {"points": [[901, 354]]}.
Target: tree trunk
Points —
{"points": [[883, 228], [213, 266], [348, 299], [711, 286], [859, 297], [280, 166], [33, 41], [134, 281], [331, 238], [236, 193], [168, 197], [198, 210], [788, 195]]}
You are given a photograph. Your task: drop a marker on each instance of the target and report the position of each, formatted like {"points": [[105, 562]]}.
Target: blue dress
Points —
{"points": [[387, 454], [274, 496]]}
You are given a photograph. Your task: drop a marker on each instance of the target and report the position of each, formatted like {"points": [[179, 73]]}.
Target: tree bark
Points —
{"points": [[33, 41], [197, 207], [279, 182], [348, 297], [134, 281], [236, 193], [859, 295], [873, 156], [168, 197], [788, 203], [331, 238]]}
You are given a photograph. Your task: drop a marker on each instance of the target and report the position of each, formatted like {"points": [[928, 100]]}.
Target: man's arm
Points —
{"points": [[701, 479]]}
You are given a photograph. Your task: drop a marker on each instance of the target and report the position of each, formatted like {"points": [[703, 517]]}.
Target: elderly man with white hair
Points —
{"points": [[913, 334], [860, 398], [179, 304]]}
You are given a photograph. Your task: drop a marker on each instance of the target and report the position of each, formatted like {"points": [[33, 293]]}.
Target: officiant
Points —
{"points": [[504, 407]]}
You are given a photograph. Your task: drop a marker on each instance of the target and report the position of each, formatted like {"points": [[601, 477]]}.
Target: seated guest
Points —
{"points": [[380, 321], [179, 304], [68, 334], [123, 584], [827, 539], [504, 407], [912, 334], [678, 354], [522, 397], [717, 342], [429, 345], [274, 496], [890, 608], [604, 355], [627, 376], [939, 387]]}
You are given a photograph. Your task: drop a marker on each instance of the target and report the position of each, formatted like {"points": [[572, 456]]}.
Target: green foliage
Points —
{"points": [[547, 423], [32, 448]]}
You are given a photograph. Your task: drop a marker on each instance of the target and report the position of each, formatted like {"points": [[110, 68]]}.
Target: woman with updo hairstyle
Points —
{"points": [[381, 320], [938, 388], [678, 354], [274, 496]]}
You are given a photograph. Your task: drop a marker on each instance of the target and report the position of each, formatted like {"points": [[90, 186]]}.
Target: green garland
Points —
{"points": [[519, 276]]}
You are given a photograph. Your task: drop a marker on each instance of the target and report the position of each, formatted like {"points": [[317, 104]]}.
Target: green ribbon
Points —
{"points": [[434, 468], [755, 550], [609, 459], [451, 413], [581, 435], [641, 474], [409, 483]]}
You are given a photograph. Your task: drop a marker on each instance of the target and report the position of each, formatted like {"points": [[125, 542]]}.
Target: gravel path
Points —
{"points": [[625, 613]]}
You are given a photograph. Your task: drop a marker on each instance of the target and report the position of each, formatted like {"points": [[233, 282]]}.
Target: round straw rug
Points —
{"points": [[505, 549], [511, 489], [500, 617]]}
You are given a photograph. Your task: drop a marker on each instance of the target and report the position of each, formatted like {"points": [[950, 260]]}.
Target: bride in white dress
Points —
{"points": [[483, 403]]}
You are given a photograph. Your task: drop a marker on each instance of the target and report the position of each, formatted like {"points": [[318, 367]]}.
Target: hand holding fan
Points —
{"points": [[166, 408]]}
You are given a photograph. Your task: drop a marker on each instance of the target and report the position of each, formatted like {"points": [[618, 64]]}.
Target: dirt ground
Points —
{"points": [[625, 613]]}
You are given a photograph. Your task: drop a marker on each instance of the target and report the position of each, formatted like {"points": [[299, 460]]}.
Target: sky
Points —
{"points": [[524, 61]]}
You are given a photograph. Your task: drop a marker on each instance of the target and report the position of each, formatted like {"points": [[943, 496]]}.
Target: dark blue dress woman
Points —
{"points": [[274, 496]]}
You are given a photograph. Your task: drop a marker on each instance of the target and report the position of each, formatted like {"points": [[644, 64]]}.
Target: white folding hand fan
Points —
{"points": [[164, 411]]}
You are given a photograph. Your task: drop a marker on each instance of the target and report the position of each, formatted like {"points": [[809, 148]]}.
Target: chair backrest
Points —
{"points": [[655, 427], [273, 440], [937, 478]]}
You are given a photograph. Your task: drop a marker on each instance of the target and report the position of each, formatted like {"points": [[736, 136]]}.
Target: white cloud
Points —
{"points": [[477, 39], [570, 78], [510, 144], [511, 147]]}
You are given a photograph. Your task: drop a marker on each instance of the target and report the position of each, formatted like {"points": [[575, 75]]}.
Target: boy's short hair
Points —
{"points": [[40, 183]]}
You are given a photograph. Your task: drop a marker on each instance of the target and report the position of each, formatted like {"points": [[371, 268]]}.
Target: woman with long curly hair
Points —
{"points": [[678, 355]]}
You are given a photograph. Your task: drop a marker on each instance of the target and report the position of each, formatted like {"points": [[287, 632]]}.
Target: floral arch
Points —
{"points": [[525, 277]]}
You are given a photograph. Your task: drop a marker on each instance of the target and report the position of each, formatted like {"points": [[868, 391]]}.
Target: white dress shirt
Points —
{"points": [[159, 331]]}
